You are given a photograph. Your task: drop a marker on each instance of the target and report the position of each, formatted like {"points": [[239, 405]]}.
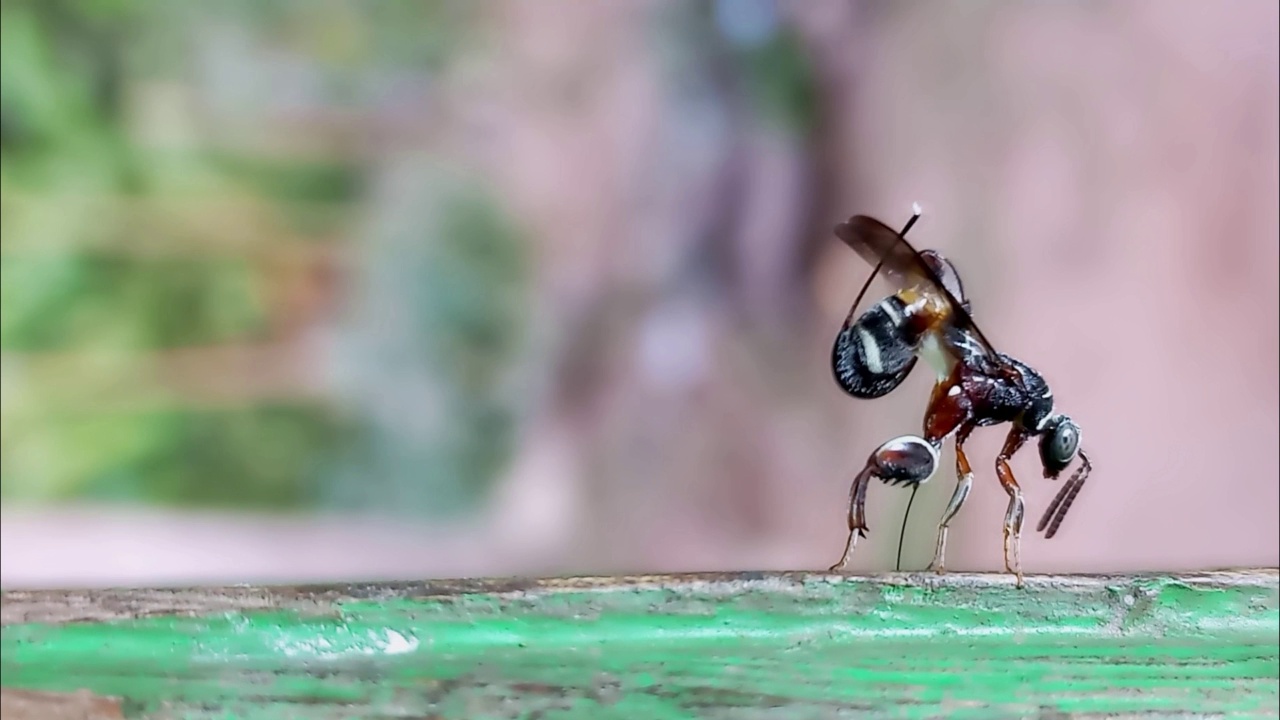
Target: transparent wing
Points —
{"points": [[904, 267]]}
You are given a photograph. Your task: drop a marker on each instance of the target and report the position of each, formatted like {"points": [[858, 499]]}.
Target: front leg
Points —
{"points": [[906, 460], [1013, 515]]}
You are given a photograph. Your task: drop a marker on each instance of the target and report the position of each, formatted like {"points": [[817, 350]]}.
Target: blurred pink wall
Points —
{"points": [[1104, 176]]}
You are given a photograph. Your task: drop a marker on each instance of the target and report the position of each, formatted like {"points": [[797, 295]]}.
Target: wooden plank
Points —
{"points": [[754, 645], [35, 705]]}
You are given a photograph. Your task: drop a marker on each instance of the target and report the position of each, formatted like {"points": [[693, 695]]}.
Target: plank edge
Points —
{"points": [[106, 605]]}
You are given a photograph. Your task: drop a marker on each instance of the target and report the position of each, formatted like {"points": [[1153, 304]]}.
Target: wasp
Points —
{"points": [[929, 317]]}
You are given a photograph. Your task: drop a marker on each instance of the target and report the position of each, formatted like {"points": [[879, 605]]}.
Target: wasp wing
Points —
{"points": [[905, 267]]}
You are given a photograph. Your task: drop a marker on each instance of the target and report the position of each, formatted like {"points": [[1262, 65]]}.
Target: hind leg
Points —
{"points": [[906, 460], [964, 482], [950, 410]]}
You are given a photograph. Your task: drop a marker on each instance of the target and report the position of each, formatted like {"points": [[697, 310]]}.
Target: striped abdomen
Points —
{"points": [[874, 355]]}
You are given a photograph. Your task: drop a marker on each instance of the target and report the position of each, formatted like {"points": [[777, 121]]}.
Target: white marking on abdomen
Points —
{"points": [[888, 308], [871, 351]]}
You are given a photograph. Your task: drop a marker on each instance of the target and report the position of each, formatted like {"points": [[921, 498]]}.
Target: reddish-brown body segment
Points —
{"points": [[978, 386]]}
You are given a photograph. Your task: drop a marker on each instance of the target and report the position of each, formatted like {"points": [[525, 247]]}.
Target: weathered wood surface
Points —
{"points": [[750, 645]]}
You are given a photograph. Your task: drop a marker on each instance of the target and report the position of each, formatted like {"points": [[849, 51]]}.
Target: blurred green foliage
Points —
{"points": [[263, 457], [118, 248], [779, 79], [441, 320], [318, 182], [71, 285], [477, 296], [97, 299], [739, 51]]}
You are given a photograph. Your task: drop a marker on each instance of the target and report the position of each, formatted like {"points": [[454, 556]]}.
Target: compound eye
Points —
{"points": [[1066, 441], [1059, 444]]}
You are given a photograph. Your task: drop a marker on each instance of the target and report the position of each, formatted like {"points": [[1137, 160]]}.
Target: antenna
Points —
{"points": [[916, 212]]}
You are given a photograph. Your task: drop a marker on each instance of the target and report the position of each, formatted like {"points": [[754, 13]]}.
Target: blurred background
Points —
{"points": [[308, 291]]}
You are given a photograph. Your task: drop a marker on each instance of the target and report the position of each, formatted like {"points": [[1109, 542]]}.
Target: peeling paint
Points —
{"points": [[760, 645]]}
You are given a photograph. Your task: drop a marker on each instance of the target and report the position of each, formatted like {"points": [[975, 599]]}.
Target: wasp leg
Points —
{"points": [[857, 514], [950, 410], [964, 482], [1013, 516], [906, 460]]}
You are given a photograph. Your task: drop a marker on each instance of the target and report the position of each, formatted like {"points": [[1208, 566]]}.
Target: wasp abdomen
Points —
{"points": [[874, 355]]}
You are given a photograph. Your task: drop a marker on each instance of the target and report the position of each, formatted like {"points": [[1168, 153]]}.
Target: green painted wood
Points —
{"points": [[754, 645]]}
